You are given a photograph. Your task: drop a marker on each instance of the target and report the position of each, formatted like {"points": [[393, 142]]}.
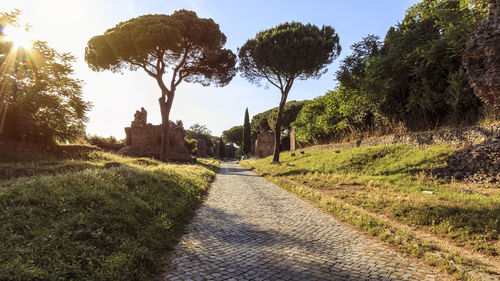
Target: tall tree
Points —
{"points": [[197, 131], [247, 137], [181, 45], [233, 135], [40, 101], [260, 122], [284, 53], [351, 73], [418, 75]]}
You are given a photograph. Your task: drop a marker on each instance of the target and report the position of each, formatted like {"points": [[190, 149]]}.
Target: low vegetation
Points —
{"points": [[94, 215], [379, 188]]}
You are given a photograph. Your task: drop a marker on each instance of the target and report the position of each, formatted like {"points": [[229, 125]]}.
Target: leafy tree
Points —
{"points": [[337, 113], [40, 102], [284, 53], [233, 135], [197, 131], [352, 73], [181, 45], [247, 138], [418, 74]]}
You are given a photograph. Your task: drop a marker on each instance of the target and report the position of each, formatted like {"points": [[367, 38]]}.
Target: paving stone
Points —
{"points": [[251, 229]]}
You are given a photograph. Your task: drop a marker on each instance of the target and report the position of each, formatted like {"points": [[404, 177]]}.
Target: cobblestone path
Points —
{"points": [[251, 229]]}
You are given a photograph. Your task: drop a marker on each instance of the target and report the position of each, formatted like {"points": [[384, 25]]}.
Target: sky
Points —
{"points": [[67, 25]]}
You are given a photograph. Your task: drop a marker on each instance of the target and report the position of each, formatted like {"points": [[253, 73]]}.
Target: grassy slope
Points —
{"points": [[78, 220], [388, 182]]}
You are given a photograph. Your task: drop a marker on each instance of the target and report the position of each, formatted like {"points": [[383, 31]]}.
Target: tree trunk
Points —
{"points": [[277, 129], [165, 105]]}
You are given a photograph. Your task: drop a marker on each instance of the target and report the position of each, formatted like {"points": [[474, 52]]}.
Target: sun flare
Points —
{"points": [[19, 37]]}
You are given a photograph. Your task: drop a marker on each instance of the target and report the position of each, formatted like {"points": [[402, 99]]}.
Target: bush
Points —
{"points": [[107, 144]]}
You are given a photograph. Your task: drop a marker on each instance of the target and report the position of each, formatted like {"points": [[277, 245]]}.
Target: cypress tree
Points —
{"points": [[247, 139]]}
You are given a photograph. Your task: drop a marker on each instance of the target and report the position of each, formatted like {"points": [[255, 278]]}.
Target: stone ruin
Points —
{"points": [[264, 145], [482, 58], [475, 164], [201, 148], [144, 140], [293, 140]]}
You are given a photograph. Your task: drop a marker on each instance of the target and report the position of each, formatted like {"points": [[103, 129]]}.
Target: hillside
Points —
{"points": [[83, 214]]}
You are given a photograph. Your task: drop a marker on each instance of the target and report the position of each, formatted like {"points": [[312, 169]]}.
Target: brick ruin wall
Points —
{"points": [[144, 140], [264, 145]]}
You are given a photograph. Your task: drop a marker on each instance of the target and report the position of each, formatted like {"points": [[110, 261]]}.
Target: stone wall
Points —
{"points": [[458, 137], [264, 145]]}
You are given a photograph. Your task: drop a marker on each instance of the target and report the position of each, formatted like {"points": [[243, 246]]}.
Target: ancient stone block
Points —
{"points": [[293, 141], [264, 145]]}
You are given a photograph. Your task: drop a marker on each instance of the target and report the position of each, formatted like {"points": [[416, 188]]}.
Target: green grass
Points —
{"points": [[74, 219], [389, 181]]}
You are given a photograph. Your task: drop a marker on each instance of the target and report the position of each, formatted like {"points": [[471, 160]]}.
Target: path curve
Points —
{"points": [[251, 229]]}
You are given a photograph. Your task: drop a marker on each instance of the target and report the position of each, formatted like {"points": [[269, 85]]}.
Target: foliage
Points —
{"points": [[284, 53], [418, 74], [191, 47], [191, 145], [40, 101], [352, 73], [246, 146], [198, 131], [389, 180], [96, 223], [231, 152], [233, 135], [333, 115], [413, 80], [222, 148], [107, 144], [260, 123], [289, 114]]}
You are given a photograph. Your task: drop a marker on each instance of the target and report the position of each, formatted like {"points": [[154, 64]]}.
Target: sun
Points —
{"points": [[19, 37]]}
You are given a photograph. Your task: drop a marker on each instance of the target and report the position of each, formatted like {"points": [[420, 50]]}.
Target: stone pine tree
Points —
{"points": [[246, 146], [287, 52], [180, 46]]}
